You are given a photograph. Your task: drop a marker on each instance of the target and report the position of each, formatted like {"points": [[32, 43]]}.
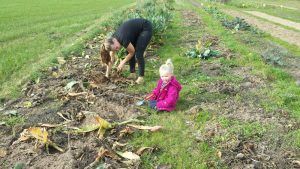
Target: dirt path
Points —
{"points": [[283, 6], [271, 18], [289, 36]]}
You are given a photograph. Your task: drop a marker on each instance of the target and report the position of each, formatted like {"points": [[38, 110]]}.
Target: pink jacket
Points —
{"points": [[166, 97]]}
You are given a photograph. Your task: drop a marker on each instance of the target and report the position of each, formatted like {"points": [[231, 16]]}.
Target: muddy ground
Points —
{"points": [[67, 95]]}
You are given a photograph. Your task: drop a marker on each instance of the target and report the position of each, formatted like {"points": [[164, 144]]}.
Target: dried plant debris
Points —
{"points": [[74, 109], [41, 136]]}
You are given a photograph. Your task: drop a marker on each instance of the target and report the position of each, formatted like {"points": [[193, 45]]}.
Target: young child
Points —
{"points": [[164, 97]]}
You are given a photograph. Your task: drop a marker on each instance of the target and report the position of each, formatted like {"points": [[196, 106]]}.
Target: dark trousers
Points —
{"points": [[140, 47]]}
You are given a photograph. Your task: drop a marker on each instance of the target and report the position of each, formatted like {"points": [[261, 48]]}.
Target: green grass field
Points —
{"points": [[32, 30]]}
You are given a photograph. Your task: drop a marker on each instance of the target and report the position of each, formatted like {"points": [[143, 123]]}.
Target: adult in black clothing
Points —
{"points": [[134, 35]]}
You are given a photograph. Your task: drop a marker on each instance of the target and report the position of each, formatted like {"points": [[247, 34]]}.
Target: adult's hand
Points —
{"points": [[130, 49], [121, 65]]}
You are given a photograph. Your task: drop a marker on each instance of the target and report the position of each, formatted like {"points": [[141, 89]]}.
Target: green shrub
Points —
{"points": [[232, 24], [158, 13], [274, 55], [236, 24], [215, 12], [203, 49], [203, 54]]}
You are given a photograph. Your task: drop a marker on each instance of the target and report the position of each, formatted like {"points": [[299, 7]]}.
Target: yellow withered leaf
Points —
{"points": [[55, 74], [102, 123], [99, 124], [27, 104], [39, 133], [199, 45]]}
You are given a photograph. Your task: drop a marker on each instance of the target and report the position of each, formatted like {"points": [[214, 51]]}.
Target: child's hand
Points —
{"points": [[148, 97]]}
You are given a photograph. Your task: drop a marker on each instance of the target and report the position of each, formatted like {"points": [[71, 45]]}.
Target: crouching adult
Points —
{"points": [[134, 35]]}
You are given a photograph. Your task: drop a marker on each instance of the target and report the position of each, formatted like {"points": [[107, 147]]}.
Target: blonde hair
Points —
{"points": [[166, 68], [107, 43]]}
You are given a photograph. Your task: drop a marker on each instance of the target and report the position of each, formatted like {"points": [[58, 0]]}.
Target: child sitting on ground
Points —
{"points": [[164, 97]]}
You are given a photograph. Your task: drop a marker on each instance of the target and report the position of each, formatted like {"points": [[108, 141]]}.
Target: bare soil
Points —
{"points": [[49, 100]]}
